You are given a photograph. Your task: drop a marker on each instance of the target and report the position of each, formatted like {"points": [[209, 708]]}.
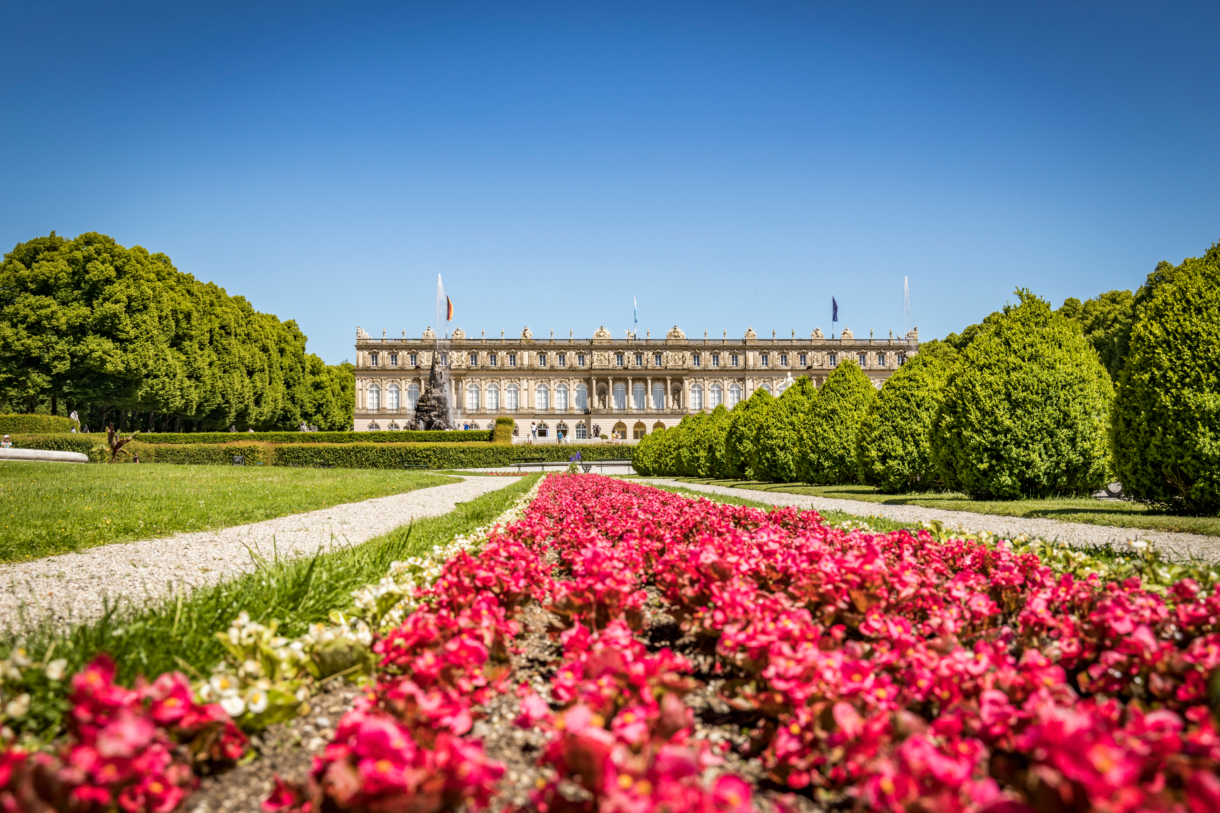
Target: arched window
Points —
{"points": [[393, 427], [412, 396], [658, 397], [620, 396], [864, 359], [639, 430], [582, 431], [696, 396], [542, 397], [493, 397], [715, 396], [694, 359], [582, 399], [658, 426], [372, 359], [374, 397], [512, 398], [767, 387], [638, 394], [474, 359], [472, 398], [541, 430], [734, 395], [561, 397], [373, 427], [392, 394], [620, 430]]}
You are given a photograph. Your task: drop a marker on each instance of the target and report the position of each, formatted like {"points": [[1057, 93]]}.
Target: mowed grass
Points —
{"points": [[50, 508], [180, 634], [1116, 513]]}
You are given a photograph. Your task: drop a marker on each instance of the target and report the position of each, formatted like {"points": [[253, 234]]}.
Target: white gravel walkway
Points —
{"points": [[69, 588], [1175, 545]]}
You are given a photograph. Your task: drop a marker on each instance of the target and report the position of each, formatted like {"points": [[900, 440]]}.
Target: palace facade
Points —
{"points": [[587, 387]]}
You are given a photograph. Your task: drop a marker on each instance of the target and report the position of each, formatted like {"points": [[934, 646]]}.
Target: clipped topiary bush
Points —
{"points": [[503, 431], [893, 447], [36, 424], [740, 438], [778, 447], [1166, 422], [715, 431], [1025, 412], [692, 455], [828, 437]]}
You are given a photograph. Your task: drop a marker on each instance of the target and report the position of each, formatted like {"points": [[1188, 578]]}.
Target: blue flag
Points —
{"points": [[834, 310]]}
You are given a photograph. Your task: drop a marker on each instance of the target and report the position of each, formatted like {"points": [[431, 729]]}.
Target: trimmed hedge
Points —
{"points": [[60, 443], [779, 440], [503, 430], [201, 454], [435, 455], [194, 438], [1166, 421], [36, 424], [828, 437], [893, 447], [1025, 410], [741, 438]]}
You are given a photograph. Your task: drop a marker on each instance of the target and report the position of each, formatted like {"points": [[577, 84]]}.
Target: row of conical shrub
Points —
{"points": [[1026, 409]]}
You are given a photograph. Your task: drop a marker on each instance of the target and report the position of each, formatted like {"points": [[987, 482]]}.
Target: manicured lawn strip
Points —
{"points": [[181, 633], [51, 508], [878, 524], [1115, 513]]}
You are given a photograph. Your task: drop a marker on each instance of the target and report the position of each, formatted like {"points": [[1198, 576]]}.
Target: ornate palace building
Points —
{"points": [[587, 387]]}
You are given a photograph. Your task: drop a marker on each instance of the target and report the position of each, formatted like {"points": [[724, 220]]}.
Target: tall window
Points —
{"points": [[561, 397], [472, 398], [580, 359], [765, 359], [582, 431], [783, 359], [834, 359], [512, 359], [542, 397], [412, 396], [715, 396], [620, 395], [392, 396], [393, 359], [618, 359], [804, 360], [902, 359], [493, 397], [733, 359], [715, 359], [639, 359], [863, 359], [374, 397], [734, 395], [474, 359], [656, 359], [372, 359], [881, 359], [694, 359], [492, 359], [658, 396], [638, 394], [542, 359], [414, 360], [582, 398], [513, 398], [696, 397], [563, 359]]}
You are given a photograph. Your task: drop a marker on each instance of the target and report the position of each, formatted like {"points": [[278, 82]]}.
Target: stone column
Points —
{"points": [[668, 403], [630, 403], [648, 395]]}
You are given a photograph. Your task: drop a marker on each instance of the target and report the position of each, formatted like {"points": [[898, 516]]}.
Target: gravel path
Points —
{"points": [[1175, 545], [69, 588]]}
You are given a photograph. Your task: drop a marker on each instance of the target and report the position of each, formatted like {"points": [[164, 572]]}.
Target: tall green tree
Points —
{"points": [[828, 447], [740, 438], [778, 447]]}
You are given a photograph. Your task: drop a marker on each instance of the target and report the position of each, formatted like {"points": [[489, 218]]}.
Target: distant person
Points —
{"points": [[233, 428], [6, 443], [251, 431], [135, 457], [533, 431]]}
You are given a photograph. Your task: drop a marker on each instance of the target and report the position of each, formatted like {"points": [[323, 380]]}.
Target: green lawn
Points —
{"points": [[1117, 513], [49, 508]]}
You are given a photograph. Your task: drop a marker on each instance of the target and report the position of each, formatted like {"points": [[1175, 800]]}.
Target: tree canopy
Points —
{"points": [[119, 333]]}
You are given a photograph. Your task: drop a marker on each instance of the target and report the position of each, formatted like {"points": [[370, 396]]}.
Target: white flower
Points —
{"points": [[233, 705], [18, 706], [223, 685], [256, 701], [57, 668]]}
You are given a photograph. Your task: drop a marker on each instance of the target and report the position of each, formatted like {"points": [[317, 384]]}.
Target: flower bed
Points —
{"points": [[717, 658]]}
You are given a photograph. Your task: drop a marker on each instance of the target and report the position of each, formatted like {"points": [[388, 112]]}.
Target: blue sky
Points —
{"points": [[731, 165]]}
